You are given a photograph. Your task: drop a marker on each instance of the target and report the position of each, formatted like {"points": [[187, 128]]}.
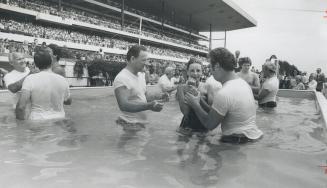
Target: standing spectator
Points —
{"points": [[305, 78], [300, 85], [320, 78], [312, 85], [237, 56]]}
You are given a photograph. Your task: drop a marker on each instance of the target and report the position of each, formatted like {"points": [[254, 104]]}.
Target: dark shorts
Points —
{"points": [[236, 139], [270, 104]]}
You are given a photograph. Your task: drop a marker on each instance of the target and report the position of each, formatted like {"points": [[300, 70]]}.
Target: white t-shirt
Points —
{"points": [[48, 93], [312, 85], [272, 85], [236, 103], [136, 86], [212, 86], [164, 83], [13, 77]]}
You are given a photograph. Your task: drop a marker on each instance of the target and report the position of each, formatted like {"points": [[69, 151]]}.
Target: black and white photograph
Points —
{"points": [[163, 93]]}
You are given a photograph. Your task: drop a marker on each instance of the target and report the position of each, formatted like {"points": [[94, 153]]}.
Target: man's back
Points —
{"points": [[48, 92], [235, 101]]}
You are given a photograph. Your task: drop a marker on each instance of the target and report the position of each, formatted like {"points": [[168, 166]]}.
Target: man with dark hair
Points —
{"points": [[250, 77], [130, 91], [233, 105], [46, 91]]}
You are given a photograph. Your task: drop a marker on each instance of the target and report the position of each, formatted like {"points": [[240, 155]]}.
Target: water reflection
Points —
{"points": [[201, 159]]}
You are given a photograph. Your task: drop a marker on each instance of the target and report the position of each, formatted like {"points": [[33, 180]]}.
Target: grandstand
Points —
{"points": [[169, 29]]}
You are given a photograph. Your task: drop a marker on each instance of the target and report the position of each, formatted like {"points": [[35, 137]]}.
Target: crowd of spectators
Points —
{"points": [[105, 21], [61, 34]]}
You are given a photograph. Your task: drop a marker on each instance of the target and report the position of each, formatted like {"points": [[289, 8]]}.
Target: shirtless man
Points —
{"points": [[250, 77]]}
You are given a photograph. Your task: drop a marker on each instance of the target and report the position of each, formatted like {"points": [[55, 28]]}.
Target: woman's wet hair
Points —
{"points": [[192, 61]]}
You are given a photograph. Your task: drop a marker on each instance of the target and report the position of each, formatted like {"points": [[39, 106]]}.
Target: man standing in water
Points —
{"points": [[250, 77], [130, 91], [46, 91], [233, 105], [14, 79]]}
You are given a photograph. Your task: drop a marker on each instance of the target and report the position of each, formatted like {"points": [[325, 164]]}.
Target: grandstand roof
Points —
{"points": [[221, 14]]}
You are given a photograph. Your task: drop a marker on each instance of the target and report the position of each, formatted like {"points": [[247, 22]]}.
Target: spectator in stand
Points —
{"points": [[300, 85], [320, 78], [305, 78], [312, 85], [293, 83]]}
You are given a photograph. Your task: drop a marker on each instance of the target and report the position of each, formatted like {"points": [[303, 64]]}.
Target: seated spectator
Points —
{"points": [[46, 91], [299, 83], [266, 95], [312, 85]]}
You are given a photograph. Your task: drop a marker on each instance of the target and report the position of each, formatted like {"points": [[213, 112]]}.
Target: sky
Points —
{"points": [[293, 30]]}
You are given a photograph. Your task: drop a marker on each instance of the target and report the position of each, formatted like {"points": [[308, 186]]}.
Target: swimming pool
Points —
{"points": [[90, 150]]}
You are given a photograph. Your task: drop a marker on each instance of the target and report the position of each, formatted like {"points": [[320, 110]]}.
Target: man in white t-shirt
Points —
{"points": [[233, 105], [266, 95], [15, 78], [46, 91], [130, 91]]}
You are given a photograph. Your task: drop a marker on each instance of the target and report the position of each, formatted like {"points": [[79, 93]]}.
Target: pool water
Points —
{"points": [[89, 150]]}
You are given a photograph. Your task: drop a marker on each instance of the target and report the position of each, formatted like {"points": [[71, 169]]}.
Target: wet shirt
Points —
{"points": [[136, 87], [236, 103], [48, 93], [13, 77], [272, 85]]}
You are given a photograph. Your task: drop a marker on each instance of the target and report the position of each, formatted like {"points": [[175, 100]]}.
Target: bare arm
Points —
{"points": [[256, 81], [126, 105], [185, 109], [210, 120], [262, 94], [17, 86], [21, 105]]}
